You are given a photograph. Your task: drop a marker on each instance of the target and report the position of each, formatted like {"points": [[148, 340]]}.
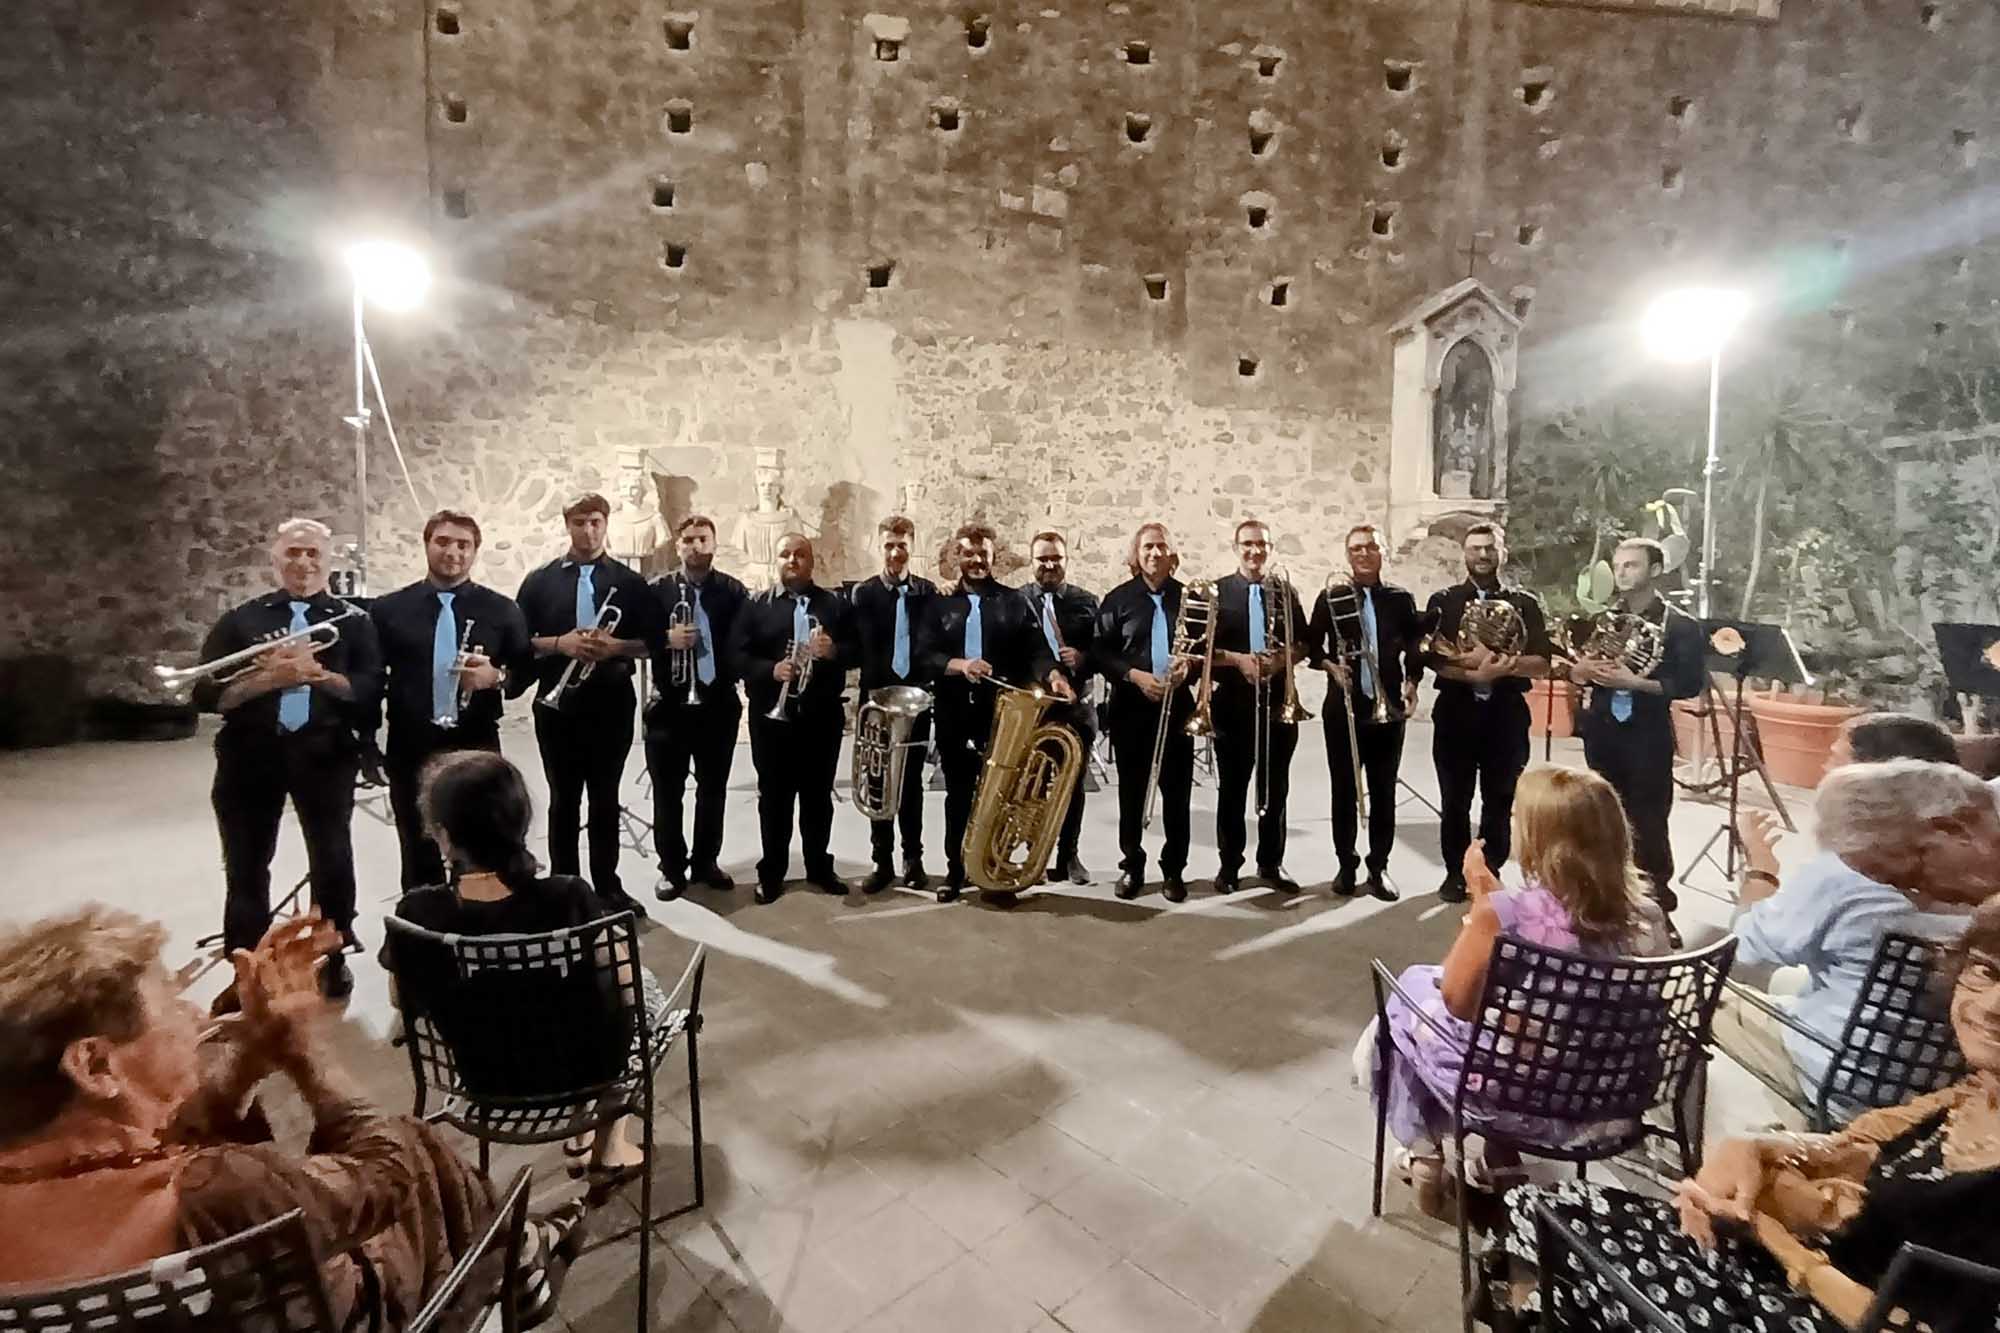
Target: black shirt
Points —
{"points": [[406, 620], [356, 654], [1009, 640], [556, 902], [1076, 626], [722, 600], [874, 602], [1124, 638], [1682, 672], [1447, 608], [1232, 635], [763, 632], [1398, 631], [548, 604]]}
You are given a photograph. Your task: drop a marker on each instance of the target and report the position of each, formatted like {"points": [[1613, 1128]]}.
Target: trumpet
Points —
{"points": [[607, 621], [882, 747], [1194, 636], [461, 696], [231, 665], [799, 653], [683, 659]]}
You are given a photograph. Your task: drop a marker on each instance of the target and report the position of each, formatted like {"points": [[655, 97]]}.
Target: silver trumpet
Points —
{"points": [[449, 718], [607, 620], [882, 747], [683, 659], [799, 654], [231, 665]]}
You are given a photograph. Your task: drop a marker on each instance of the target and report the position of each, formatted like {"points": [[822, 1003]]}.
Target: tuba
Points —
{"points": [[882, 747], [1630, 640], [1031, 772]]}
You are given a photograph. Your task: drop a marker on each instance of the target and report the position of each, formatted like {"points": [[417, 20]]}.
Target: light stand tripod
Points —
{"points": [[1742, 649]]}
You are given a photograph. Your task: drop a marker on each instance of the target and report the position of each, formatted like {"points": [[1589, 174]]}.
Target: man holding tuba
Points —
{"points": [[1259, 635], [288, 729], [1364, 635], [1479, 739], [588, 620], [693, 716], [1150, 699], [1067, 617], [979, 632], [888, 609], [792, 643], [1628, 729]]}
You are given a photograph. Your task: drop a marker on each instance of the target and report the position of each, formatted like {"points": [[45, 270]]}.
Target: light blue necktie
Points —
{"points": [[295, 704], [1049, 630], [586, 597], [801, 630], [1256, 617], [1368, 638], [704, 654], [1481, 691], [900, 662], [975, 637], [1162, 647], [1621, 705], [444, 656]]}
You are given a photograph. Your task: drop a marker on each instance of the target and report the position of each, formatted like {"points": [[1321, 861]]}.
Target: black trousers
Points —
{"points": [[1237, 784], [1381, 746], [1132, 730], [678, 738], [909, 819], [1638, 762], [796, 760], [1478, 745], [584, 748], [962, 734], [409, 751], [1073, 821], [253, 777]]}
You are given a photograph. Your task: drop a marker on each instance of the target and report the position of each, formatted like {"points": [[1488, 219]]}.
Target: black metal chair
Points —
{"points": [[532, 1039], [1897, 1044], [506, 1234], [1971, 1291], [1564, 1037]]}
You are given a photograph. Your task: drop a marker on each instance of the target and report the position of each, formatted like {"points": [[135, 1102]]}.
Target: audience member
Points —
{"points": [[1875, 738]]}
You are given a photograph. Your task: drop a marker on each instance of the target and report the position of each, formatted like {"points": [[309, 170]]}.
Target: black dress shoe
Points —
{"points": [[1078, 872], [879, 879], [828, 882], [1452, 890], [620, 901], [1175, 888], [336, 978], [1129, 884], [1227, 882], [669, 887], [1276, 877], [714, 877], [1345, 883], [913, 874], [1379, 888], [769, 893], [954, 884]]}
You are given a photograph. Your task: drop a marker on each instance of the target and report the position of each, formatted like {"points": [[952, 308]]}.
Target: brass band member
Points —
{"points": [[584, 733], [1480, 734], [888, 609], [1067, 617], [1389, 631], [692, 721], [795, 723], [1249, 692], [288, 729], [1628, 729], [979, 630], [447, 643], [1134, 648]]}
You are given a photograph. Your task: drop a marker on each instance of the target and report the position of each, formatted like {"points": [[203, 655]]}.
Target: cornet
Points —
{"points": [[799, 653], [607, 621], [228, 667]]}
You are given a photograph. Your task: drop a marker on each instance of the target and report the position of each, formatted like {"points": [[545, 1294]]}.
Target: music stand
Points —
{"points": [[1971, 657], [1742, 649]]}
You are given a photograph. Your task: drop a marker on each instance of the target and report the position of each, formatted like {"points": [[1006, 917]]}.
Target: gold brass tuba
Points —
{"points": [[882, 747], [1031, 772]]}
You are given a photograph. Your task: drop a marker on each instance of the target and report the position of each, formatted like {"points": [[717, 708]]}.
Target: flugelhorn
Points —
{"points": [[799, 653], [1194, 636], [607, 621], [231, 665], [1025, 788], [882, 747]]}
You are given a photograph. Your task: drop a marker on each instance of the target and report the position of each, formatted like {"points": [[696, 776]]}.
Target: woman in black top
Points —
{"points": [[477, 808]]}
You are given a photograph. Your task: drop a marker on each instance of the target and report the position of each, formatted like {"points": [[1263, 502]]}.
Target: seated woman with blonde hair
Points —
{"points": [[1581, 893]]}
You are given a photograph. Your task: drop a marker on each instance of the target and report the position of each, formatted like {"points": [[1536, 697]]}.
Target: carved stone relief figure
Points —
{"points": [[1462, 425], [754, 540]]}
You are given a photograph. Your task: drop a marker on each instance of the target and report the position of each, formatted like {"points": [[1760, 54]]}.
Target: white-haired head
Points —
{"points": [[1926, 827], [299, 555]]}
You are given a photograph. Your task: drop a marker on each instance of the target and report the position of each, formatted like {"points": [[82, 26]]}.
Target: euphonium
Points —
{"points": [[1031, 772], [882, 747]]}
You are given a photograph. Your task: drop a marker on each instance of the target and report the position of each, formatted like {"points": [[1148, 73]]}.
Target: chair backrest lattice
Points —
{"points": [[1898, 1043], [1574, 1037]]}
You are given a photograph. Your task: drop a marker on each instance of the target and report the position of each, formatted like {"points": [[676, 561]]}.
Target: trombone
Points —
{"points": [[1343, 612], [682, 660], [607, 621], [231, 665], [799, 653], [1278, 639], [1194, 636]]}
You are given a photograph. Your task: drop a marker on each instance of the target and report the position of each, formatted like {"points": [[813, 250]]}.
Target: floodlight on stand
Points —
{"points": [[388, 274], [394, 277], [1692, 324]]}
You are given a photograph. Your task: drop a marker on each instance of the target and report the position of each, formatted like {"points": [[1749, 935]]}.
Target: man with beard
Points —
{"points": [[585, 733], [796, 722], [888, 608], [1134, 649], [692, 722], [1067, 617], [447, 644], [977, 633], [1479, 738]]}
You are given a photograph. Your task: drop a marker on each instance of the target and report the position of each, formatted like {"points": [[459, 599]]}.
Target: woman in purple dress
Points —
{"points": [[1580, 893]]}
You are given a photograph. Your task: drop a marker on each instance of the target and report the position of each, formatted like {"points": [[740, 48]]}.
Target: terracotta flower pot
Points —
{"points": [[1797, 736], [1563, 721], [1692, 734]]}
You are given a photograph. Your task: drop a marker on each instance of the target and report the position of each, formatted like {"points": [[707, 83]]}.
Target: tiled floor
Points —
{"points": [[1079, 1114]]}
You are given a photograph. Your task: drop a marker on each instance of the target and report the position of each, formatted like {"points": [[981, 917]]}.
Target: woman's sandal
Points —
{"points": [[557, 1239]]}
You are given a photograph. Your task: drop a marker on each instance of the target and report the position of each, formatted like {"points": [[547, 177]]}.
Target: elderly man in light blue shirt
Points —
{"points": [[1908, 846]]}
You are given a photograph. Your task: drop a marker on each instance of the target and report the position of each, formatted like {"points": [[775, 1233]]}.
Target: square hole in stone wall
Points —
{"points": [[1138, 53], [978, 31], [1279, 292], [1670, 178], [1247, 367], [1528, 234], [1536, 92], [663, 193], [1392, 151], [1260, 141], [1382, 222], [446, 21], [454, 110], [1257, 216], [679, 29], [1156, 286], [880, 272], [1267, 65], [673, 255], [1680, 109], [888, 50], [457, 203], [680, 116], [1399, 76], [1931, 16], [945, 115], [1138, 126]]}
